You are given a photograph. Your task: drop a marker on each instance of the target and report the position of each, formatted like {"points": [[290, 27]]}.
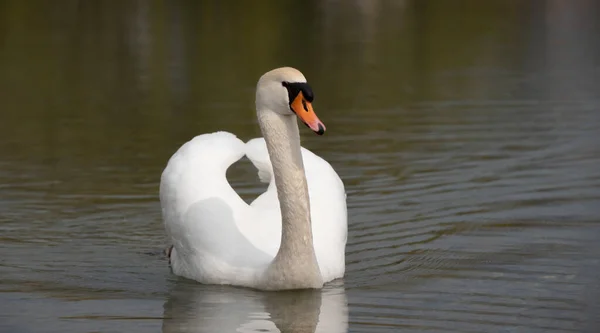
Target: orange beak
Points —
{"points": [[304, 111]]}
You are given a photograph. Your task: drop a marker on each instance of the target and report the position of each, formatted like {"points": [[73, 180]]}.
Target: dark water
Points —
{"points": [[466, 132]]}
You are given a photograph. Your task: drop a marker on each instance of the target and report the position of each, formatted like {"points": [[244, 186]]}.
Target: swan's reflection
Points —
{"points": [[192, 307]]}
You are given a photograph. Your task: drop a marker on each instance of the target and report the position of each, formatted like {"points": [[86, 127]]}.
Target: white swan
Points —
{"points": [[293, 236]]}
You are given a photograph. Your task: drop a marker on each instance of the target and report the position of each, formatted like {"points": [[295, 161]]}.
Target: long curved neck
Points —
{"points": [[295, 265]]}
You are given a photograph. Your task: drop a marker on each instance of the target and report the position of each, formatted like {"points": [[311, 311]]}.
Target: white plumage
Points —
{"points": [[219, 239]]}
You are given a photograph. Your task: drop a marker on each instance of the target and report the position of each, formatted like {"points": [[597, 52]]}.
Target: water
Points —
{"points": [[466, 133]]}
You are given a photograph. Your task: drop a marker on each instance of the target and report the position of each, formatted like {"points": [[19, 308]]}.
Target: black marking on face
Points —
{"points": [[294, 88]]}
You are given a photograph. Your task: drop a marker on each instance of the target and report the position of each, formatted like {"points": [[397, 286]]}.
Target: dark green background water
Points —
{"points": [[466, 132]]}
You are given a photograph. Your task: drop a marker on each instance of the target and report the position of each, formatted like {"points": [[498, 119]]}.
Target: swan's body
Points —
{"points": [[292, 236]]}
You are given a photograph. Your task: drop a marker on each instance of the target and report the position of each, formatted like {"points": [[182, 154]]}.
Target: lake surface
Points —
{"points": [[467, 134]]}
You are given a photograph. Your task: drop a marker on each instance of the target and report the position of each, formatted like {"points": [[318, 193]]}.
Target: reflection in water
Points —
{"points": [[193, 307]]}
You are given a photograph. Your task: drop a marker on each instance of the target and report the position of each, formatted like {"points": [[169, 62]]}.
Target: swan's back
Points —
{"points": [[197, 170], [200, 210], [218, 238]]}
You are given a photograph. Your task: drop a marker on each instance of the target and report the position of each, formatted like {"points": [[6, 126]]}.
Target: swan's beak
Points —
{"points": [[304, 111]]}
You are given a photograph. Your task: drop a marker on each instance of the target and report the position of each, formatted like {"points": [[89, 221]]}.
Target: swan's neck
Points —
{"points": [[295, 265]]}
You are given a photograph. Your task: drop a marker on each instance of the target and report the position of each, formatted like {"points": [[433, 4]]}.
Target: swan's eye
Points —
{"points": [[296, 87], [308, 93]]}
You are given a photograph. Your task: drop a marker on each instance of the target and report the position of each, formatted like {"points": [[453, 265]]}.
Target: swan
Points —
{"points": [[292, 236]]}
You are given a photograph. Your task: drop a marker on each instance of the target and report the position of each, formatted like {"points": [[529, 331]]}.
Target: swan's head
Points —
{"points": [[285, 91]]}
